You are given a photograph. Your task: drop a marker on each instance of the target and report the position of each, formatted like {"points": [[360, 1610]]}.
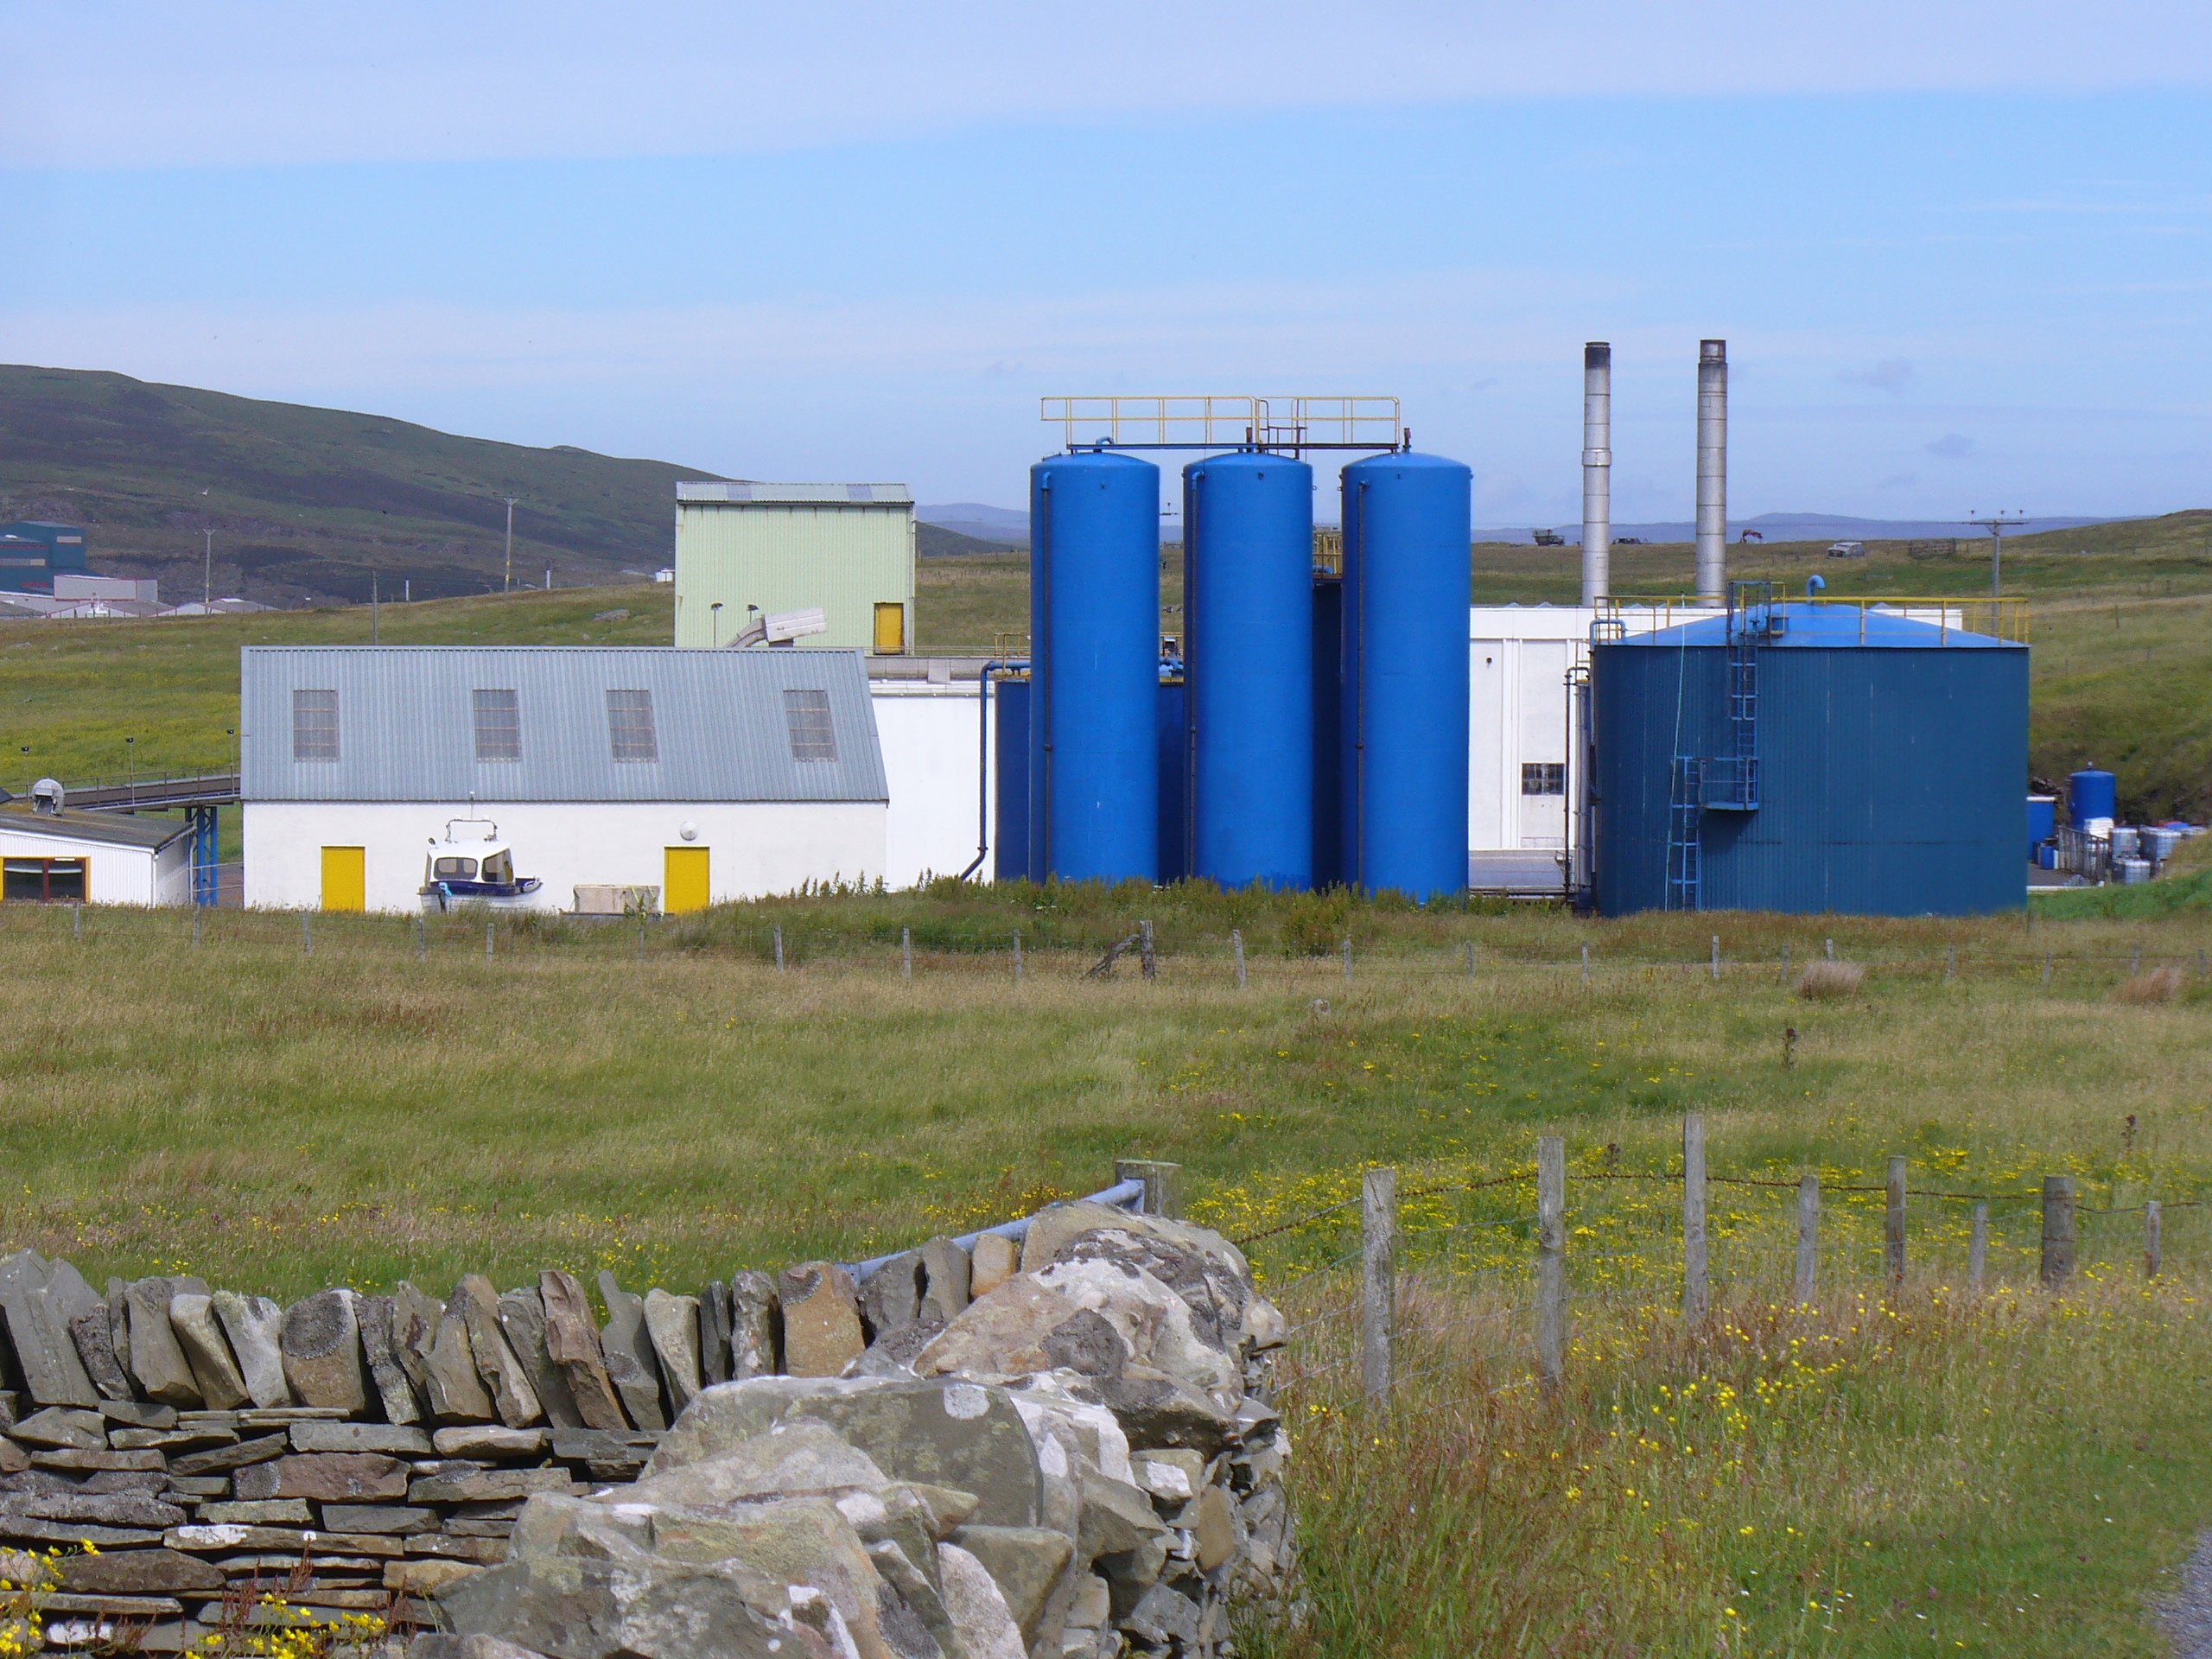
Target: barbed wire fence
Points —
{"points": [[1438, 1296]]}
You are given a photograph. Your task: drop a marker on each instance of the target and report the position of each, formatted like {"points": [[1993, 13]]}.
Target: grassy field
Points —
{"points": [[278, 1120]]}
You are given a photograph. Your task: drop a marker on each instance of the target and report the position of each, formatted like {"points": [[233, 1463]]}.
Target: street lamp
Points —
{"points": [[715, 623]]}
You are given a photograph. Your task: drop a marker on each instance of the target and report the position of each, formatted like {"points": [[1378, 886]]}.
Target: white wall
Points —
{"points": [[114, 875], [928, 733], [757, 847]]}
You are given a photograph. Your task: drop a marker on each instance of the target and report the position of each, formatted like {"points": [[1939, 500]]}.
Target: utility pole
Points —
{"points": [[1996, 526], [207, 572], [508, 587]]}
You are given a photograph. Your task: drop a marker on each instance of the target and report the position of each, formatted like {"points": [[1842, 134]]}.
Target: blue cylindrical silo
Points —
{"points": [[2091, 792], [1248, 617], [1094, 647], [1404, 783]]}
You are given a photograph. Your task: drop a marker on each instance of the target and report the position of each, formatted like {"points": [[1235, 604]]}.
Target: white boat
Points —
{"points": [[464, 870]]}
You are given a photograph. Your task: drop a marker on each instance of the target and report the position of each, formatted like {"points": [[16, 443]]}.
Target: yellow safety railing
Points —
{"points": [[1328, 551], [1991, 617], [1206, 422]]}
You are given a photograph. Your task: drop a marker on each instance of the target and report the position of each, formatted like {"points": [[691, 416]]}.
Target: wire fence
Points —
{"points": [[1445, 1293], [1820, 971]]}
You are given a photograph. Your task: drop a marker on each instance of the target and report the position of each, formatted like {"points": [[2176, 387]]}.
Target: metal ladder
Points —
{"points": [[1732, 785], [1685, 870]]}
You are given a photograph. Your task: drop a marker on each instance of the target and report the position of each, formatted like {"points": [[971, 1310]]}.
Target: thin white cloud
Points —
{"points": [[103, 82]]}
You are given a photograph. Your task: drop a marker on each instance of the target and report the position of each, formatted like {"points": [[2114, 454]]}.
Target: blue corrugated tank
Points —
{"points": [[1407, 534], [1010, 763], [1093, 634], [1328, 730], [1801, 758], [1247, 616]]}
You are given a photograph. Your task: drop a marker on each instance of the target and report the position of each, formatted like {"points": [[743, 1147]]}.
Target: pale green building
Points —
{"points": [[746, 552]]}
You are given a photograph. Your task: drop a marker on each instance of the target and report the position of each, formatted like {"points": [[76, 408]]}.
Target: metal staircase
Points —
{"points": [[1729, 783]]}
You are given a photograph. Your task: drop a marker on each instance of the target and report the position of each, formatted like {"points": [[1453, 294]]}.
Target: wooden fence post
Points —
{"points": [[1808, 1235], [1716, 956], [778, 931], [641, 937], [1585, 966], [77, 920], [1950, 962], [2046, 970], [488, 941], [1783, 977], [1470, 960], [307, 935], [1977, 1249], [421, 943], [1551, 1259], [1163, 1185], [1694, 1299], [1017, 956], [1146, 961], [1893, 1226], [195, 926], [2151, 1255], [1237, 949], [905, 953], [1378, 1289], [1347, 958], [2058, 1240]]}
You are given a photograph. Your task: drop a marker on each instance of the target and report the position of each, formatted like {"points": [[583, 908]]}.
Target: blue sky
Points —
{"points": [[1962, 253]]}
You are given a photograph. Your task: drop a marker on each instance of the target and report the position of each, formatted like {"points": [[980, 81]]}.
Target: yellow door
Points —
{"points": [[890, 629], [344, 885], [683, 879]]}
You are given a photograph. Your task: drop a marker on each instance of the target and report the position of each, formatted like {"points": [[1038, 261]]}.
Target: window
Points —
{"points": [[807, 714], [455, 870], [1543, 777], [498, 725], [630, 725], [315, 725], [42, 880]]}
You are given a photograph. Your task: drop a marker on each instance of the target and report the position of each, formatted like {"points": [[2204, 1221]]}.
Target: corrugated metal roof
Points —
{"points": [[406, 724], [117, 828], [800, 494]]}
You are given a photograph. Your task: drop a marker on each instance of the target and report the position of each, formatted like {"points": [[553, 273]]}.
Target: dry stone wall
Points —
{"points": [[1044, 1451]]}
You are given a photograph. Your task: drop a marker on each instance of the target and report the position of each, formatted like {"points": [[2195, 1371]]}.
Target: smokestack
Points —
{"points": [[1712, 470], [1596, 471]]}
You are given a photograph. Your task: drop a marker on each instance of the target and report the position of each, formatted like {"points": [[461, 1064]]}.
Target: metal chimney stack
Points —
{"points": [[1711, 472], [1596, 471]]}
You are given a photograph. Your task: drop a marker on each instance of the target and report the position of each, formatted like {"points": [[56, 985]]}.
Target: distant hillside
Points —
{"points": [[309, 502], [976, 522]]}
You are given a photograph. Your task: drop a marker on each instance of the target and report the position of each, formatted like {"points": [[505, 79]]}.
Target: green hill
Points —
{"points": [[310, 502]]}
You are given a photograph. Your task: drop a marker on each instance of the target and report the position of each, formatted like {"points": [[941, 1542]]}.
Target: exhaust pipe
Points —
{"points": [[1596, 471], [1711, 472]]}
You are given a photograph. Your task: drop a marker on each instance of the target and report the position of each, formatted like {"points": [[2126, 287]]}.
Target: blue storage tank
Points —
{"points": [[1328, 730], [1248, 617], [1885, 755], [1094, 640], [1010, 758], [1404, 780], [1174, 754], [2091, 792], [2043, 820]]}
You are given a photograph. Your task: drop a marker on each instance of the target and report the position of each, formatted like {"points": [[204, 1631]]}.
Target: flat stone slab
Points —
{"points": [[387, 1518], [231, 1457], [485, 1485], [489, 1440], [394, 1439]]}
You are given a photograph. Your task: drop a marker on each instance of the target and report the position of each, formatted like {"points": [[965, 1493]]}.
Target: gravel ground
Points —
{"points": [[2187, 1613]]}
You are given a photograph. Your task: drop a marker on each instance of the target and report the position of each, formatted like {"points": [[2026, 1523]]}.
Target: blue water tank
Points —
{"points": [[1174, 754], [2043, 820], [1094, 638], [1407, 535], [2091, 792], [1248, 617]]}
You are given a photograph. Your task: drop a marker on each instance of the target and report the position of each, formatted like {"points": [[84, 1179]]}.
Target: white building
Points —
{"points": [[703, 775], [97, 858]]}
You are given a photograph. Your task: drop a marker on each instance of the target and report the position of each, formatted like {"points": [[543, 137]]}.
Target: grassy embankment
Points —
{"points": [[278, 1121]]}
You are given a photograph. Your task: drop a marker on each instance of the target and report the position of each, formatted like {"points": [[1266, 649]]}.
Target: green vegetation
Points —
{"points": [[279, 1120], [311, 501]]}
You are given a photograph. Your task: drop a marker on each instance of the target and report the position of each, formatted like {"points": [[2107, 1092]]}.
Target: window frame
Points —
{"points": [[1548, 775], [83, 872], [623, 734], [481, 702], [307, 736], [811, 741]]}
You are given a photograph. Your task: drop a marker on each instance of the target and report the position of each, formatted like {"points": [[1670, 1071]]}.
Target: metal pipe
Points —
{"points": [[1123, 1195], [1596, 471], [1712, 470], [983, 764]]}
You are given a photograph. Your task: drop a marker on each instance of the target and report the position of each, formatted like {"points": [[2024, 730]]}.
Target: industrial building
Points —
{"points": [[33, 551], [747, 552], [57, 854], [676, 777]]}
